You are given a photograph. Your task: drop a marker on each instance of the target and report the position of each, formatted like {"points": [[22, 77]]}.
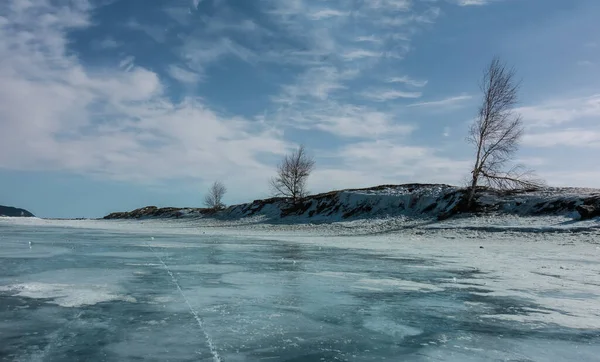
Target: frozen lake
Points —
{"points": [[109, 291]]}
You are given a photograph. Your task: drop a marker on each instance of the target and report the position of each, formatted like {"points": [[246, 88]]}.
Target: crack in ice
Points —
{"points": [[211, 346]]}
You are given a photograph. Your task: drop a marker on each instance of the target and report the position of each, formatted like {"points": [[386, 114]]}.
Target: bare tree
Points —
{"points": [[292, 173], [496, 133], [214, 197]]}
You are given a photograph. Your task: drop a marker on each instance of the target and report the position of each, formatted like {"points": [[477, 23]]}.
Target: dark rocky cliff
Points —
{"points": [[14, 212]]}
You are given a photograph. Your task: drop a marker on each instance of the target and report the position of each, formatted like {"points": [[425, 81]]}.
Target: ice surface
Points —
{"points": [[98, 290]]}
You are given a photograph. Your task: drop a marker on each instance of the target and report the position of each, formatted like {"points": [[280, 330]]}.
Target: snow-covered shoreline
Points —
{"points": [[490, 223], [418, 202]]}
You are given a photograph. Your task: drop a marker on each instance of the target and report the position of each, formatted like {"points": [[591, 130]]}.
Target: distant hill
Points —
{"points": [[14, 212], [411, 200]]}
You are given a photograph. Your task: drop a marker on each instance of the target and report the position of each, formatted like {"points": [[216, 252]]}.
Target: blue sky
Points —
{"points": [[111, 105]]}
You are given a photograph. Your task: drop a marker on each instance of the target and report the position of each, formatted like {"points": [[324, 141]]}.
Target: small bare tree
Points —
{"points": [[214, 197], [292, 173], [496, 133]]}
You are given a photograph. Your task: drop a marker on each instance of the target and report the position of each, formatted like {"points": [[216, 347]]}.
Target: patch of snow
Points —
{"points": [[383, 284], [66, 295]]}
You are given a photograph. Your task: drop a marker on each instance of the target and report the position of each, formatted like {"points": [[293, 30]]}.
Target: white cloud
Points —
{"points": [[560, 111], [107, 43], [426, 17], [345, 178], [327, 13], [343, 120], [183, 75], [561, 129], [570, 137], [200, 53], [402, 5], [110, 122], [360, 122], [429, 16], [472, 2], [369, 163], [119, 123], [403, 163], [316, 82], [408, 81], [396, 20], [370, 38], [325, 100], [360, 54], [389, 94], [444, 103], [331, 41]]}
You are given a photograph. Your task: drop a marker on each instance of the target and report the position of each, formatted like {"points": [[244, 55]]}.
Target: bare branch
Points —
{"points": [[214, 197], [516, 178], [292, 173]]}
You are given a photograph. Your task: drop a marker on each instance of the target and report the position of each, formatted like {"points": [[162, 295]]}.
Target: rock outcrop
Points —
{"points": [[155, 212], [590, 208], [14, 212]]}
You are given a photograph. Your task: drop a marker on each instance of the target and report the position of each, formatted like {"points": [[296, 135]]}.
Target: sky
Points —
{"points": [[111, 105]]}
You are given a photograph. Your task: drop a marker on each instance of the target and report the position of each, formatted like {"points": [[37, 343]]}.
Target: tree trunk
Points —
{"points": [[472, 191]]}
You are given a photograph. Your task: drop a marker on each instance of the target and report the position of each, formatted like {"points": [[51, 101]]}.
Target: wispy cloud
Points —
{"points": [[344, 121], [428, 16], [383, 95], [369, 38], [472, 2], [408, 81], [199, 54], [314, 83], [359, 122], [106, 43], [349, 42], [402, 5], [354, 54], [444, 103], [183, 75], [127, 63], [158, 33], [327, 13]]}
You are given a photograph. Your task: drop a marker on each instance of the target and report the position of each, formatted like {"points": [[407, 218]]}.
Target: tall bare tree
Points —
{"points": [[496, 133], [214, 197], [292, 173]]}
